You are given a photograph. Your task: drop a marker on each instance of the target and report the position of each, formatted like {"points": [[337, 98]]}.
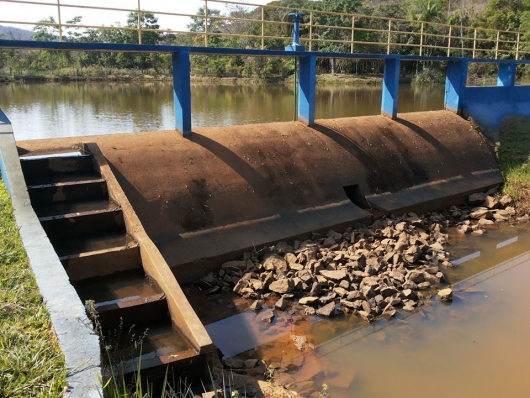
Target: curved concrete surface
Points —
{"points": [[226, 189]]}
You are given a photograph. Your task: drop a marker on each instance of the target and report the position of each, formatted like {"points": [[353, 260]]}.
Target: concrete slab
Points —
{"points": [[436, 195], [206, 249]]}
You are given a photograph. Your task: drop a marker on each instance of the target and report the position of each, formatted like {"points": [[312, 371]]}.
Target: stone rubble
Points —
{"points": [[394, 264]]}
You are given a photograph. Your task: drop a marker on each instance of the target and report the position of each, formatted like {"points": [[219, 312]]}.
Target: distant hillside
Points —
{"points": [[11, 33]]}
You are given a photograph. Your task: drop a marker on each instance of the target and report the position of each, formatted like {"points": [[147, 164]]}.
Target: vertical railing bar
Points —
{"points": [[474, 42], [388, 38], [59, 20], [449, 41], [497, 44], [352, 34], [205, 23], [517, 46], [262, 27], [139, 23], [421, 39], [311, 31]]}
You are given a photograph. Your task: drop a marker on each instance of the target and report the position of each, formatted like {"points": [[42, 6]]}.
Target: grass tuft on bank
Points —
{"points": [[31, 363], [513, 153]]}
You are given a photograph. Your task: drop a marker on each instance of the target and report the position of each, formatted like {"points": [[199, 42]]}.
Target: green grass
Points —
{"points": [[513, 152], [31, 363]]}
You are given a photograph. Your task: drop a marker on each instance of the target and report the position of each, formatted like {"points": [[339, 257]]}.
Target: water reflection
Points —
{"points": [[75, 109]]}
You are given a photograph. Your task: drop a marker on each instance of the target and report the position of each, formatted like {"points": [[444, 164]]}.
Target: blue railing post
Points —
{"points": [[182, 91], [455, 85], [506, 76], [307, 82], [389, 100]]}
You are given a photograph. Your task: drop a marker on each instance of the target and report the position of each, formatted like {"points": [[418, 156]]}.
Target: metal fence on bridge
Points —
{"points": [[247, 25]]}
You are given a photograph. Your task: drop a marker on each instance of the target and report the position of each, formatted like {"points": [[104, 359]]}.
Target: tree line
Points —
{"points": [[509, 15]]}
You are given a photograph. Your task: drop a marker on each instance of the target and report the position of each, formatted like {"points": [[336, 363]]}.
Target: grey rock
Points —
{"points": [[415, 276], [491, 203], [353, 295], [341, 291], [366, 316], [280, 304], [446, 294], [505, 200], [309, 311], [234, 363], [267, 316], [302, 344], [275, 263], [337, 275], [257, 305], [308, 300], [424, 285], [327, 310], [282, 286], [316, 289]]}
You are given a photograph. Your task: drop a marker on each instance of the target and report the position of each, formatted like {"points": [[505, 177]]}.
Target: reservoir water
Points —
{"points": [[76, 109]]}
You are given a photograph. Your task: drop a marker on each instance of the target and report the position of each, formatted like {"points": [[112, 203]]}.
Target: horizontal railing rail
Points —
{"points": [[249, 25]]}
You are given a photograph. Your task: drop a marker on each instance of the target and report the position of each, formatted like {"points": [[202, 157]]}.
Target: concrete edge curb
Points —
{"points": [[77, 340]]}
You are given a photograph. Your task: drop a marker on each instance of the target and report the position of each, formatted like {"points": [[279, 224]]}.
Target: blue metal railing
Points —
{"points": [[458, 97]]}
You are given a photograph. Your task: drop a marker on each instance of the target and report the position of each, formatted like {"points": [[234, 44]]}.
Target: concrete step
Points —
{"points": [[95, 243], [127, 304], [51, 168], [86, 189], [92, 264], [86, 224], [68, 209]]}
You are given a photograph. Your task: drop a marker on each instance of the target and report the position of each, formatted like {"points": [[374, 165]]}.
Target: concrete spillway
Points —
{"points": [[224, 190]]}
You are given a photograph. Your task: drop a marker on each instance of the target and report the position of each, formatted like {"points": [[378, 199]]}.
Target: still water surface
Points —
{"points": [[477, 346], [64, 110]]}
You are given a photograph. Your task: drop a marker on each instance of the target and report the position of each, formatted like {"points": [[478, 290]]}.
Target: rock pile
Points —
{"points": [[369, 271]]}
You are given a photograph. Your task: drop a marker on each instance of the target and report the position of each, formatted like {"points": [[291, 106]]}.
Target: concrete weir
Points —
{"points": [[224, 190]]}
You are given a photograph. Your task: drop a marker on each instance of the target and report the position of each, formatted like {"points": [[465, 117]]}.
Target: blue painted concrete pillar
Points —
{"points": [[307, 82], [182, 91], [455, 85], [506, 76], [389, 101]]}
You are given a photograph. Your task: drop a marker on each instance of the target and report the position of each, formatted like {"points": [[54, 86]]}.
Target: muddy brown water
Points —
{"points": [[64, 110], [477, 346]]}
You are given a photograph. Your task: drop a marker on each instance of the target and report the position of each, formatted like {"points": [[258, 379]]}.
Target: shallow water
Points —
{"points": [[477, 346]]}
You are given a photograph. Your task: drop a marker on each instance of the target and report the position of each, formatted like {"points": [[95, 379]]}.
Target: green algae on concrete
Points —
{"points": [[513, 153], [31, 363]]}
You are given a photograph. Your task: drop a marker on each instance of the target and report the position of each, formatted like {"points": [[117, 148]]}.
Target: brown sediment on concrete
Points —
{"points": [[226, 189]]}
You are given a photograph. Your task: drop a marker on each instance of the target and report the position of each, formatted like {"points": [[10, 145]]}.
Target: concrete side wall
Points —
{"points": [[182, 314], [73, 329], [490, 105]]}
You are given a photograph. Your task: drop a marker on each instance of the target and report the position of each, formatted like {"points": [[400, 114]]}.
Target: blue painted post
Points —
{"points": [[307, 82], [182, 91], [506, 76], [389, 101], [455, 85], [297, 17]]}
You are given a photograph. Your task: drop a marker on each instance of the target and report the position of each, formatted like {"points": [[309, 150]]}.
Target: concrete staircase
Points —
{"points": [[103, 261]]}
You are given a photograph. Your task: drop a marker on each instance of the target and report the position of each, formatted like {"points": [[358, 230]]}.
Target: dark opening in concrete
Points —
{"points": [[353, 192]]}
